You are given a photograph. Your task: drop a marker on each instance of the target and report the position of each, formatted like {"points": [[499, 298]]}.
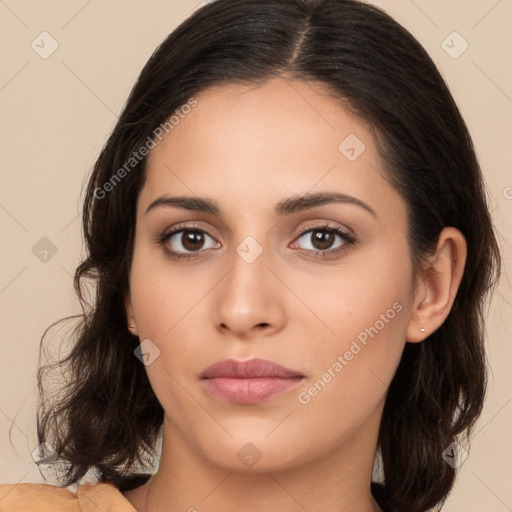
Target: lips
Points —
{"points": [[248, 382]]}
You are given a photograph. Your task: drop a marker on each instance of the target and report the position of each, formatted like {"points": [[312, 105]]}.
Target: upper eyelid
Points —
{"points": [[326, 226]]}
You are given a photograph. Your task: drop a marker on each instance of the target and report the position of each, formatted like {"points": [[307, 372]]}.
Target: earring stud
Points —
{"points": [[422, 329]]}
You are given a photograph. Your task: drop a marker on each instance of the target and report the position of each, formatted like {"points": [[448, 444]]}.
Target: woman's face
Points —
{"points": [[256, 284]]}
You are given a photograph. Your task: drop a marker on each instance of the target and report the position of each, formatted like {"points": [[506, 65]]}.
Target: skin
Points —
{"points": [[248, 148]]}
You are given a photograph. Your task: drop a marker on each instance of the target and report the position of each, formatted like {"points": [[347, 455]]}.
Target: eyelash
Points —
{"points": [[348, 239]]}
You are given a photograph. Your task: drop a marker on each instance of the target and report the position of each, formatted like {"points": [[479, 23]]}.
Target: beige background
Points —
{"points": [[57, 112]]}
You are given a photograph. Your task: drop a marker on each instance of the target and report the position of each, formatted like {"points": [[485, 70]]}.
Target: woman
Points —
{"points": [[291, 247]]}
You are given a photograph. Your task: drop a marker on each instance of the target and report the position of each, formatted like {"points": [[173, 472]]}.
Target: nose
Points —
{"points": [[251, 300]]}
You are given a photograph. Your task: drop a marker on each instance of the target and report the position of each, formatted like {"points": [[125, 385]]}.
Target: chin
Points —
{"points": [[259, 453]]}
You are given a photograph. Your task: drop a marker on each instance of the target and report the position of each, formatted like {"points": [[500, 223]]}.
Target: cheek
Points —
{"points": [[365, 312], [169, 309], [161, 295], [366, 296], [352, 369], [361, 359]]}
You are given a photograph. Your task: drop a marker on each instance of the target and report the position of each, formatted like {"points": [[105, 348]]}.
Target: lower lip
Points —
{"points": [[249, 390]]}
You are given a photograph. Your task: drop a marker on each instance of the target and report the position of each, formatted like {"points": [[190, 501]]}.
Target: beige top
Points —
{"points": [[50, 498]]}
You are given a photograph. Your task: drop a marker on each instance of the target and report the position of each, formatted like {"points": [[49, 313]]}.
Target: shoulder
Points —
{"points": [[41, 497], [26, 497]]}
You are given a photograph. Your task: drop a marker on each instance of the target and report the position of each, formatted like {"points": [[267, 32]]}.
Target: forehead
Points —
{"points": [[270, 120], [258, 144]]}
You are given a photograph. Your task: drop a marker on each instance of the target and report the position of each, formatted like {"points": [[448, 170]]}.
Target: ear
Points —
{"points": [[438, 285], [132, 323]]}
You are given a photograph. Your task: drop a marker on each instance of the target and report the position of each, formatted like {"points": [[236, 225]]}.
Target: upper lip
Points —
{"points": [[250, 368]]}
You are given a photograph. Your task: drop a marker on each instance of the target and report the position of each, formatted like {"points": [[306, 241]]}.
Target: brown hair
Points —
{"points": [[106, 417]]}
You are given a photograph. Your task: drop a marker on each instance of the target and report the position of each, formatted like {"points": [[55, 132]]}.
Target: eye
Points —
{"points": [[325, 240], [185, 241]]}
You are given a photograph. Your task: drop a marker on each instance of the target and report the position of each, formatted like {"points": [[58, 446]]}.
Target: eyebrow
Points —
{"points": [[285, 207]]}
